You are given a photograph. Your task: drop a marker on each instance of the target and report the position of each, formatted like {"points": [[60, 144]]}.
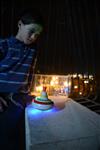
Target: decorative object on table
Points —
{"points": [[42, 102]]}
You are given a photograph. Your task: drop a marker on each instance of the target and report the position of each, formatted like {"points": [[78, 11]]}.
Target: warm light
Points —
{"points": [[39, 88], [56, 82], [75, 87], [65, 83], [91, 77], [54, 78], [80, 93], [74, 75], [86, 81], [69, 83], [80, 76], [61, 84], [52, 83], [85, 76]]}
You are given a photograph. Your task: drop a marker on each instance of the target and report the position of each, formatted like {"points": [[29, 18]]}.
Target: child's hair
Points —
{"points": [[30, 15]]}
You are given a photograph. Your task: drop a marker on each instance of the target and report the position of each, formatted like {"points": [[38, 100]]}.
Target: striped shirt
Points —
{"points": [[16, 65]]}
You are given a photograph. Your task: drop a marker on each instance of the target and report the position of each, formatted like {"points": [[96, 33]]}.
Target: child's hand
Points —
{"points": [[29, 99], [3, 104]]}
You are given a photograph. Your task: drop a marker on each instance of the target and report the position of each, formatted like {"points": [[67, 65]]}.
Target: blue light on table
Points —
{"points": [[38, 113]]}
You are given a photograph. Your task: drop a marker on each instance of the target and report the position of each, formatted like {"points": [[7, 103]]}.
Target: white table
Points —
{"points": [[67, 126]]}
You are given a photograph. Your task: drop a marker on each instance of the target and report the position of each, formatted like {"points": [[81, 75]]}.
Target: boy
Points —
{"points": [[17, 59]]}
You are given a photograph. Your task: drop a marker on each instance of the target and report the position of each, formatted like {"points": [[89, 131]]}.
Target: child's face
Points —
{"points": [[29, 32]]}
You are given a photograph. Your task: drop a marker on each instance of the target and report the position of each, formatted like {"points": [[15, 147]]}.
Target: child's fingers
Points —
{"points": [[3, 101]]}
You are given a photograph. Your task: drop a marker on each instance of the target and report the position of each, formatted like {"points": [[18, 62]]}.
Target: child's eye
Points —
{"points": [[31, 32]]}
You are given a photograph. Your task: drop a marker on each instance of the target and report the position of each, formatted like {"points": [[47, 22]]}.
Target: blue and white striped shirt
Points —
{"points": [[16, 66]]}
